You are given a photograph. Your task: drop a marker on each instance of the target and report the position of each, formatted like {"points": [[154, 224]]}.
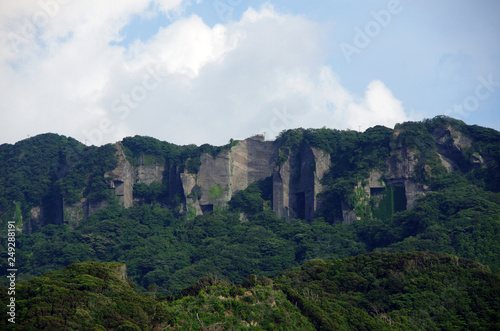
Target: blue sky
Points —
{"points": [[207, 71]]}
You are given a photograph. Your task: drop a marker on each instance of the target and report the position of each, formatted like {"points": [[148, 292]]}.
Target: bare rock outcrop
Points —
{"points": [[188, 185], [149, 173], [123, 178], [296, 183], [75, 213], [401, 172], [220, 177]]}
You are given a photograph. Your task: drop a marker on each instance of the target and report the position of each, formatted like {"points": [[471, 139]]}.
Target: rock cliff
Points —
{"points": [[297, 183], [402, 170], [220, 177], [188, 180], [122, 178]]}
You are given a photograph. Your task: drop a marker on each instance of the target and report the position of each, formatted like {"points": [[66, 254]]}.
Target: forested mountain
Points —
{"points": [[360, 202]]}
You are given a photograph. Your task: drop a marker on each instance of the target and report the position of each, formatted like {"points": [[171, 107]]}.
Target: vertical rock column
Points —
{"points": [[123, 178], [281, 190], [322, 166]]}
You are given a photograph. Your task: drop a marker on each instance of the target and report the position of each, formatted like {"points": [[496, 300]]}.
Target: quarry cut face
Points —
{"points": [[296, 180]]}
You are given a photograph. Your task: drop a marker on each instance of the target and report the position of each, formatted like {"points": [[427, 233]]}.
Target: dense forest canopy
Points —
{"points": [[411, 291]]}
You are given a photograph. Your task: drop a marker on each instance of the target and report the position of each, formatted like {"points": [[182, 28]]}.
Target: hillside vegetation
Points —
{"points": [[86, 296], [172, 252], [433, 266], [412, 291]]}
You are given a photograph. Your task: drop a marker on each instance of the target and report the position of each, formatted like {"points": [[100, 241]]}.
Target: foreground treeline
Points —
{"points": [[377, 291]]}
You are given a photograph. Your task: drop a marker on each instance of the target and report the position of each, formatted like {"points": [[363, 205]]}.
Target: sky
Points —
{"points": [[206, 71]]}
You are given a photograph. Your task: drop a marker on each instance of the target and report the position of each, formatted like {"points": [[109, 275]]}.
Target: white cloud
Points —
{"points": [[190, 83], [184, 47], [166, 6], [381, 107]]}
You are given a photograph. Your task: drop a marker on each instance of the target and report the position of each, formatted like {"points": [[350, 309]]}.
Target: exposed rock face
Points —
{"points": [[188, 184], [401, 167], [402, 164], [215, 179], [232, 170], [375, 181], [447, 163], [322, 163], [296, 183], [253, 159], [451, 145], [413, 191], [149, 174], [281, 189], [451, 137], [401, 171], [123, 178], [75, 213]]}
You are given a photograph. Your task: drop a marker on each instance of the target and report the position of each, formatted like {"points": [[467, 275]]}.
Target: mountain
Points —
{"points": [[56, 180], [177, 214]]}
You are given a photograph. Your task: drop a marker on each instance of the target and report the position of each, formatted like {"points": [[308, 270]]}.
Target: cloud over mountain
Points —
{"points": [[187, 83]]}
